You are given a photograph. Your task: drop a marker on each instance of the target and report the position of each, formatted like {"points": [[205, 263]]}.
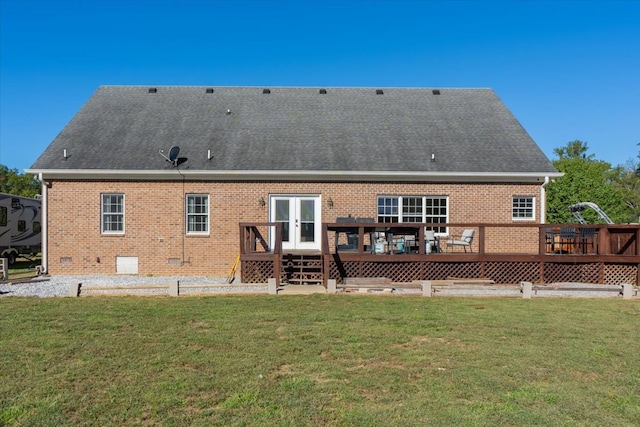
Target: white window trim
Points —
{"points": [[187, 214], [533, 208], [102, 213], [400, 202]]}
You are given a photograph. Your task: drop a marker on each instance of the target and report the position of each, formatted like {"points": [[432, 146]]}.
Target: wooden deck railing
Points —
{"points": [[542, 239], [508, 253], [258, 259]]}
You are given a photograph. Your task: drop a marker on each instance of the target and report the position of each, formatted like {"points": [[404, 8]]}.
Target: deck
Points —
{"points": [[504, 253]]}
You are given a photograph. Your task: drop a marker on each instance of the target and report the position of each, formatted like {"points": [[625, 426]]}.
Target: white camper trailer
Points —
{"points": [[20, 226]]}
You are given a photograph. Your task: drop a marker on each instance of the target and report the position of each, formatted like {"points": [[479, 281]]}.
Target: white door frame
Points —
{"points": [[301, 215]]}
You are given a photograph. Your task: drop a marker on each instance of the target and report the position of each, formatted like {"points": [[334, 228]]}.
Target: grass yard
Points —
{"points": [[319, 360]]}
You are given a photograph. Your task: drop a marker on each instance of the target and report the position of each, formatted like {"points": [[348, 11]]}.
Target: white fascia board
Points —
{"points": [[271, 175]]}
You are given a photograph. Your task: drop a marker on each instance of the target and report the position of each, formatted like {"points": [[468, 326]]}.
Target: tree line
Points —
{"points": [[616, 189], [18, 184]]}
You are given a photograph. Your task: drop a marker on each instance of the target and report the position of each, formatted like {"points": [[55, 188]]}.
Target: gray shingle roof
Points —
{"points": [[296, 129]]}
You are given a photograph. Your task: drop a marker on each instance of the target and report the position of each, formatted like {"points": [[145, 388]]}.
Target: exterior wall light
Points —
{"points": [[261, 202], [330, 203]]}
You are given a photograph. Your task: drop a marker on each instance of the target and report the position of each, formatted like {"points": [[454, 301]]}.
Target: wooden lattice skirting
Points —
{"points": [[507, 272]]}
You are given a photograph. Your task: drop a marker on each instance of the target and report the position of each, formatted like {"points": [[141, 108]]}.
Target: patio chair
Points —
{"points": [[550, 239], [464, 240], [588, 240], [567, 240]]}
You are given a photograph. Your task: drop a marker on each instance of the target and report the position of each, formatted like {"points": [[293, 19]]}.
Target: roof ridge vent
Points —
{"points": [[209, 90], [153, 90], [322, 91], [436, 91], [266, 91], [379, 92]]}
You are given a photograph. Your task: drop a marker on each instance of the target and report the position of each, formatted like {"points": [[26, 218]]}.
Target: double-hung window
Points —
{"points": [[523, 208], [433, 209], [197, 213], [388, 209], [112, 214]]}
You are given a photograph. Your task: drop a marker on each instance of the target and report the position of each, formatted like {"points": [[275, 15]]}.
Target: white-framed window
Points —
{"points": [[434, 209], [523, 208], [112, 216], [197, 213], [388, 209]]}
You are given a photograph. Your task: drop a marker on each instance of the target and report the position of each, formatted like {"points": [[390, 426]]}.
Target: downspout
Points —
{"points": [[43, 225], [543, 201]]}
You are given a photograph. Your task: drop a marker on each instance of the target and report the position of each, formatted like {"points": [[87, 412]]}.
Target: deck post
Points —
{"points": [[626, 291], [272, 288], [426, 288], [527, 289], [331, 286]]}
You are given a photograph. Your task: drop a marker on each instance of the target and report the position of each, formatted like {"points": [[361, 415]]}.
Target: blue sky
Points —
{"points": [[567, 69]]}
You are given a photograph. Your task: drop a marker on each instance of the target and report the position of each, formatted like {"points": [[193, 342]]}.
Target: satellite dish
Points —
{"points": [[173, 155]]}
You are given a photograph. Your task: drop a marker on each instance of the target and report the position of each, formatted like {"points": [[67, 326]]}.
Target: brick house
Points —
{"points": [[118, 197]]}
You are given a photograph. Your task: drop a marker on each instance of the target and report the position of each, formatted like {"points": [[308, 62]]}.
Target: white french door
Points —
{"points": [[300, 218]]}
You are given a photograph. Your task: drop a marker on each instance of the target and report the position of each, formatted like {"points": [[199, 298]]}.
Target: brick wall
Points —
{"points": [[154, 219]]}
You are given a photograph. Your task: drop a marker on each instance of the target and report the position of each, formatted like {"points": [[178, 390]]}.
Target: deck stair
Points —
{"points": [[302, 269]]}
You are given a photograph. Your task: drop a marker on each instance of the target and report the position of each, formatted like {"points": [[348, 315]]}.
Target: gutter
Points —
{"points": [[289, 175], [44, 247], [543, 201]]}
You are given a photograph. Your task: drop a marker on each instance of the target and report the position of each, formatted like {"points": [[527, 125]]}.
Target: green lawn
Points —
{"points": [[340, 360]]}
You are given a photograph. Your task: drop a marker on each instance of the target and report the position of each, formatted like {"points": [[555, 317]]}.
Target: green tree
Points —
{"points": [[585, 179], [13, 182], [574, 150], [627, 180]]}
